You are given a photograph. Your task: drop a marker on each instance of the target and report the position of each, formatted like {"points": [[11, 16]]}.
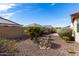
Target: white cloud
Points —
{"points": [[6, 6], [7, 15]]}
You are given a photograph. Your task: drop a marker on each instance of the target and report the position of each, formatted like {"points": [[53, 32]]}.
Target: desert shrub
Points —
{"points": [[66, 34], [46, 30], [7, 47], [53, 30], [34, 32], [66, 38]]}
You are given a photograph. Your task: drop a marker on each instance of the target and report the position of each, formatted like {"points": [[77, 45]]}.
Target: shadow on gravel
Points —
{"points": [[72, 38], [55, 45]]}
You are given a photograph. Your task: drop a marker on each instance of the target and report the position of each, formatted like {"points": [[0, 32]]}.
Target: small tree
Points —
{"points": [[34, 32]]}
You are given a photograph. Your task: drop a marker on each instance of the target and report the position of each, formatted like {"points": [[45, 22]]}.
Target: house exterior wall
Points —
{"points": [[11, 31], [74, 19], [76, 33], [72, 27]]}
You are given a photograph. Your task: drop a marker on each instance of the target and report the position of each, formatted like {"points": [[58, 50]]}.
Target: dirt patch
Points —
{"points": [[58, 48]]}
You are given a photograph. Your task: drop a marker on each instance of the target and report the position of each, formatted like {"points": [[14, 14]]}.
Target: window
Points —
{"points": [[78, 25]]}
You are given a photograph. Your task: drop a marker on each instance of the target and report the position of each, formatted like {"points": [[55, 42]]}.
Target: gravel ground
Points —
{"points": [[59, 48]]}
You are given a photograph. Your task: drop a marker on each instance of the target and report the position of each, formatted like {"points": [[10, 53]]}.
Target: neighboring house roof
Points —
{"points": [[77, 13], [74, 16], [4, 22]]}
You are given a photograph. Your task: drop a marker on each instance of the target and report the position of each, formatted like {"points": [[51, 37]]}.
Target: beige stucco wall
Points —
{"points": [[75, 30], [72, 27], [11, 32]]}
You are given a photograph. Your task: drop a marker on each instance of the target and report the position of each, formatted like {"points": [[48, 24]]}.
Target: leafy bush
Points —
{"points": [[53, 30], [66, 34], [66, 38], [37, 31], [7, 47], [34, 32], [45, 30]]}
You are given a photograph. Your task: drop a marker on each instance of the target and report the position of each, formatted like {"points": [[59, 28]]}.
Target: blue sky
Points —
{"points": [[55, 14]]}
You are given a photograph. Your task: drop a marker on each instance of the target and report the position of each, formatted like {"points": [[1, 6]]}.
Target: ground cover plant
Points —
{"points": [[8, 47], [65, 33]]}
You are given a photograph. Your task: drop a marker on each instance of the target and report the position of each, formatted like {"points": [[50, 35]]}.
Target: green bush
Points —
{"points": [[46, 30], [7, 47], [34, 32], [37, 31], [66, 38], [66, 34], [53, 30]]}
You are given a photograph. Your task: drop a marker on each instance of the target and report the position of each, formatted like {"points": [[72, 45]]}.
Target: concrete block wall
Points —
{"points": [[11, 31]]}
